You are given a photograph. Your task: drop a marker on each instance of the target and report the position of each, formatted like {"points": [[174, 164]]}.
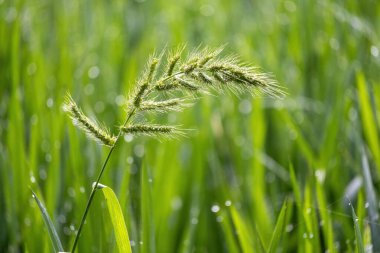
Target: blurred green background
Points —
{"points": [[221, 188]]}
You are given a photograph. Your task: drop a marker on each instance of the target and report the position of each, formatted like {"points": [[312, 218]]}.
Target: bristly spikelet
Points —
{"points": [[92, 129], [173, 60], [188, 85], [139, 94], [152, 130], [174, 104], [152, 69]]}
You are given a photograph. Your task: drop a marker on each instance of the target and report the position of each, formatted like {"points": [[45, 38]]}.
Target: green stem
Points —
{"points": [[92, 194], [90, 199]]}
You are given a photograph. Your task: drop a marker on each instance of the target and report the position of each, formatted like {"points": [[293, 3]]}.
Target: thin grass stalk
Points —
{"points": [[95, 186]]}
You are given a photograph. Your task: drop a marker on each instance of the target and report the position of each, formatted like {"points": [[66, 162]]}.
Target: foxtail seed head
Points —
{"points": [[92, 129], [151, 130], [202, 70]]}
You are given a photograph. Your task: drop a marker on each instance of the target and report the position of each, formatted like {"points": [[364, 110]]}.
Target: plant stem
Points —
{"points": [[92, 194], [90, 199]]}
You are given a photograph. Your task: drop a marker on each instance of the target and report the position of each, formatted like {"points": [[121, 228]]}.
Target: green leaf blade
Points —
{"points": [[278, 229], [358, 234], [117, 219], [57, 245]]}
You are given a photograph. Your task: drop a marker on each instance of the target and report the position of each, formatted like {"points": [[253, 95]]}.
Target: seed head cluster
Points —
{"points": [[166, 86]]}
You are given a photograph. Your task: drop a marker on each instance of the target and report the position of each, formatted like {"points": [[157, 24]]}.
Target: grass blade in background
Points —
{"points": [[358, 234], [147, 212], [117, 219], [245, 236], [57, 245], [278, 229], [325, 214], [372, 203], [368, 119]]}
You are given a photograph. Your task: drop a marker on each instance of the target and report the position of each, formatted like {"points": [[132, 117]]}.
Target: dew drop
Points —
{"points": [[194, 221], [128, 137], [93, 72], [61, 218], [176, 203], [130, 160], [139, 150], [49, 102], [228, 203], [215, 208], [320, 175], [42, 173], [289, 228], [374, 51]]}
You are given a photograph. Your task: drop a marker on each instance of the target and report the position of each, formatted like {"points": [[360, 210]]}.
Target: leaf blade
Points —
{"points": [[358, 235], [57, 245], [278, 229], [117, 219]]}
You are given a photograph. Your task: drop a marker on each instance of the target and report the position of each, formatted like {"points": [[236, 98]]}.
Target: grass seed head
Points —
{"points": [[91, 128]]}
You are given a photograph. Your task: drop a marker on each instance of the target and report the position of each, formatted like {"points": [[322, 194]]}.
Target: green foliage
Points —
{"points": [[57, 245], [358, 233], [325, 52], [117, 219], [278, 230]]}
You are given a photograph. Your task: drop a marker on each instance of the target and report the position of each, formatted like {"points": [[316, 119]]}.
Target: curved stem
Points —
{"points": [[92, 194], [93, 191]]}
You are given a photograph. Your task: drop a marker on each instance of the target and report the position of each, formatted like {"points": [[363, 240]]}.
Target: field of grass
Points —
{"points": [[221, 188]]}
